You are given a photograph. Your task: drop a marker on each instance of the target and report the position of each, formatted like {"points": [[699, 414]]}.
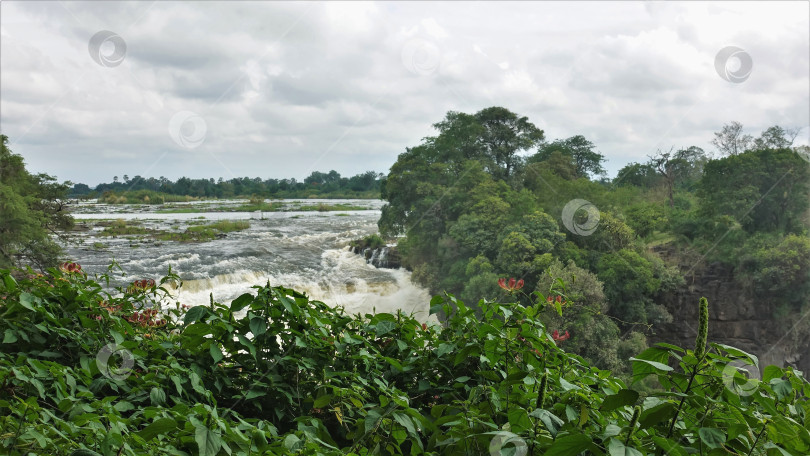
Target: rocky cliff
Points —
{"points": [[737, 318]]}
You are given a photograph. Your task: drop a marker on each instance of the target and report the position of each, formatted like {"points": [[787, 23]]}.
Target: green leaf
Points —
{"points": [[622, 398], [655, 364], [550, 420], [671, 448], [371, 420], [643, 369], [112, 443], [28, 300], [385, 327], [444, 349], [254, 394], [123, 406], [569, 445], [208, 441], [241, 302], [617, 448], [291, 441], [247, 343], [322, 401], [158, 396], [9, 337], [655, 415], [712, 437], [736, 352], [159, 426], [518, 420], [781, 387], [406, 422], [84, 452], [258, 326], [216, 353], [194, 314], [771, 372]]}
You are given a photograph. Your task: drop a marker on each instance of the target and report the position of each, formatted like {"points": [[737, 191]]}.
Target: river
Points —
{"points": [[304, 250]]}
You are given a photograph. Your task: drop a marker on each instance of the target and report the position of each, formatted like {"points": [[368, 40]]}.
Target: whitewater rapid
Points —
{"points": [[307, 251]]}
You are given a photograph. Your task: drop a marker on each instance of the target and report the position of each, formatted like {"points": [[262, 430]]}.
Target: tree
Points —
{"points": [[504, 135], [31, 209], [675, 166], [587, 162], [776, 137], [637, 174], [730, 140], [763, 190]]}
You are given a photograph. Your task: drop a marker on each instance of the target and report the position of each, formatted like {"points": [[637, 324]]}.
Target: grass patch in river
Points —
{"points": [[121, 227], [202, 233]]}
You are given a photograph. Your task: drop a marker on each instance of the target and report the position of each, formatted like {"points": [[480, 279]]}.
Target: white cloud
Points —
{"points": [[280, 84]]}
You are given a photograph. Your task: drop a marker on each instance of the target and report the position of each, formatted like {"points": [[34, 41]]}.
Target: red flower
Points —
{"points": [[559, 338], [71, 268], [513, 285], [141, 286]]}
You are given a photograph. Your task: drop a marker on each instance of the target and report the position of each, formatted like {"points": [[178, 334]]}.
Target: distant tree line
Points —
{"points": [[331, 184]]}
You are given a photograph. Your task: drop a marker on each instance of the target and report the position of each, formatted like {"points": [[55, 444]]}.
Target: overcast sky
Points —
{"points": [[270, 89]]}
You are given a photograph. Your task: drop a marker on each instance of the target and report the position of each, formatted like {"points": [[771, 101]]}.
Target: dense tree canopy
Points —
{"points": [[585, 160], [470, 211], [31, 210]]}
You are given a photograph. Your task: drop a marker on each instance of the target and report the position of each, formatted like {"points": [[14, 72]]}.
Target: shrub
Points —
{"points": [[274, 372]]}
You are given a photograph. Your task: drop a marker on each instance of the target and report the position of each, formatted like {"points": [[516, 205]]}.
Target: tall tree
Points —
{"points": [[504, 135], [587, 162], [776, 137], [675, 166], [730, 140], [31, 209]]}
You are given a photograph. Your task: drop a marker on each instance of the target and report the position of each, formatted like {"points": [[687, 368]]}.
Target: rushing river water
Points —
{"points": [[304, 250]]}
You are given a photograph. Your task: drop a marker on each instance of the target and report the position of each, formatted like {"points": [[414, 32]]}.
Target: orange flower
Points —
{"points": [[559, 338], [71, 268], [513, 284], [140, 286]]}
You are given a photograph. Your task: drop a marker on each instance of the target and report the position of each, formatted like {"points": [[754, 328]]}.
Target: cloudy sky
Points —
{"points": [[91, 90]]}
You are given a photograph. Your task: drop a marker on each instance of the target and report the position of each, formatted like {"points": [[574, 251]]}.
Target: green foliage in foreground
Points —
{"points": [[278, 373]]}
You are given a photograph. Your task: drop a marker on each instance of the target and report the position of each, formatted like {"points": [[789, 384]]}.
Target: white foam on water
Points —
{"points": [[343, 279]]}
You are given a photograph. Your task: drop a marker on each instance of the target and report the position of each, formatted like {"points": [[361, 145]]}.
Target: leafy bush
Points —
{"points": [[277, 373]]}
